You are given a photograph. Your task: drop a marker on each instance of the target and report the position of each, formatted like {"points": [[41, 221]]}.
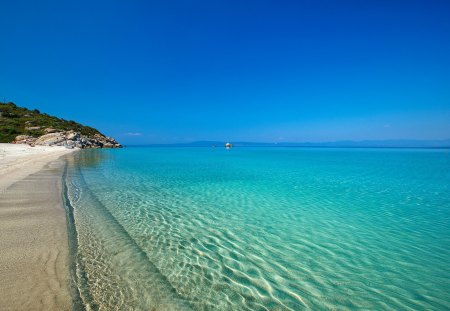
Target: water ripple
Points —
{"points": [[267, 229]]}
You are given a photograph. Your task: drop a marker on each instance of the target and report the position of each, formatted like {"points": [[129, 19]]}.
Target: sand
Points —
{"points": [[34, 254]]}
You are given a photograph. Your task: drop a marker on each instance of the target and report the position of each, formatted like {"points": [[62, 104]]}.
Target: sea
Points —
{"points": [[259, 228]]}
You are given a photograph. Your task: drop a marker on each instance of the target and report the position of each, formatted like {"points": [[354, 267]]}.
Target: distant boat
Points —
{"points": [[228, 145]]}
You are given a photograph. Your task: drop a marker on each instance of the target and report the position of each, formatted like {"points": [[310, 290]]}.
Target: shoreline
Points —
{"points": [[34, 257]]}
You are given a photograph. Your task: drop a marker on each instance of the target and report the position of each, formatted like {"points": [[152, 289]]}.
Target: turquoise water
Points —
{"points": [[261, 228]]}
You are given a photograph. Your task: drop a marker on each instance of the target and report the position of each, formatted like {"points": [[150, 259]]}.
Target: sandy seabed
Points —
{"points": [[34, 254]]}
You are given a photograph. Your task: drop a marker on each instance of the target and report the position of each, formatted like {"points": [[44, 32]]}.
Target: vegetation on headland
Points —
{"points": [[16, 121]]}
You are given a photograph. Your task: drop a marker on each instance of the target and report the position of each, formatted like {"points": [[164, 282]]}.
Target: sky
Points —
{"points": [[263, 71]]}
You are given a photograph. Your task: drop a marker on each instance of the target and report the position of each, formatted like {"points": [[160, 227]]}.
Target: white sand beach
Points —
{"points": [[19, 161], [34, 262]]}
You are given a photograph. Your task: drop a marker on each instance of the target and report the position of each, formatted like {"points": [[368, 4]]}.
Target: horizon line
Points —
{"points": [[387, 143]]}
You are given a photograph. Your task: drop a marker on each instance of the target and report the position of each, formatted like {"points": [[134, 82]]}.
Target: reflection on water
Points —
{"points": [[89, 158]]}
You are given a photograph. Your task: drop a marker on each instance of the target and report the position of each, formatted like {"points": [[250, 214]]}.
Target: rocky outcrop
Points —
{"points": [[51, 130], [33, 128], [70, 139], [53, 139], [25, 139], [28, 123]]}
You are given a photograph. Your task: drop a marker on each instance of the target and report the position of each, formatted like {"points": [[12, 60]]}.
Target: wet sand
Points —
{"points": [[34, 262]]}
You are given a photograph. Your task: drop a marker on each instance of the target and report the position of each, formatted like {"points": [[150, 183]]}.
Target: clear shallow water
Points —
{"points": [[261, 228]]}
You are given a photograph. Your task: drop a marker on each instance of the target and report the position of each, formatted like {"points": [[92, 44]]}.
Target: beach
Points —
{"points": [[34, 257], [153, 228]]}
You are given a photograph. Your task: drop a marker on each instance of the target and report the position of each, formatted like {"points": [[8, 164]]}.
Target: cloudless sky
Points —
{"points": [[177, 71]]}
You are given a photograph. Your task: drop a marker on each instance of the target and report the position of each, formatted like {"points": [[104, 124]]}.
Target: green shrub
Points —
{"points": [[13, 122]]}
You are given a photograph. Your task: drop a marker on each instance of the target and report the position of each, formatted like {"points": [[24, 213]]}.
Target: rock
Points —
{"points": [[100, 141], [24, 139], [70, 139], [33, 128], [51, 139], [49, 130], [72, 135]]}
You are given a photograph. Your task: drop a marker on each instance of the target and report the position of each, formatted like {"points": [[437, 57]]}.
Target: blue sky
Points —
{"points": [[179, 71]]}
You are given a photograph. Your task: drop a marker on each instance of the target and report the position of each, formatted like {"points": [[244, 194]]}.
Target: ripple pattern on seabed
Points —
{"points": [[266, 229]]}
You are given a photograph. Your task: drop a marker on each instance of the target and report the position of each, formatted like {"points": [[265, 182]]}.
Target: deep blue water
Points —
{"points": [[262, 228]]}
